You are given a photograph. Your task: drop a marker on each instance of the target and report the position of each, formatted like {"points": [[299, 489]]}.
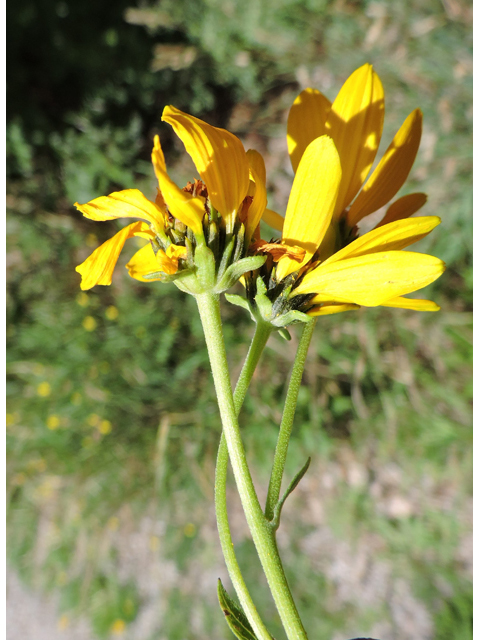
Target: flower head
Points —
{"points": [[196, 235], [321, 265]]}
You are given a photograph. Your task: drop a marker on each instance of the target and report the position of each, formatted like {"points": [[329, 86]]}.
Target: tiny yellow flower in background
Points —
{"points": [[113, 523], [89, 323], [83, 299], [63, 623], [111, 313], [44, 389], [93, 420], [53, 422], [91, 240], [118, 627], [12, 418], [189, 529], [154, 543], [105, 427]]}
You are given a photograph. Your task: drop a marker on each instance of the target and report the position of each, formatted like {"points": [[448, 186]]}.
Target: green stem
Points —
{"points": [[262, 333], [287, 420], [262, 532]]}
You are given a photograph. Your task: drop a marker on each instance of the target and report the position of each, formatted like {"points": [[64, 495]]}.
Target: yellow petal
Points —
{"points": [[182, 205], [219, 157], [145, 262], [130, 203], [98, 267], [273, 219], [371, 280], [392, 170], [312, 200], [390, 237], [329, 309], [306, 121], [403, 208], [412, 303], [257, 163], [142, 263], [259, 193], [355, 123]]}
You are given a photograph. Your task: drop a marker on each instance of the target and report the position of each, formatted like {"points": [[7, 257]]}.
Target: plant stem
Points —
{"points": [[262, 533], [262, 333], [287, 420]]}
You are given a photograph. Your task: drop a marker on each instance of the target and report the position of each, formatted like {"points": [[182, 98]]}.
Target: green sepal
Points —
{"points": [[237, 269], [234, 615], [164, 277], [277, 512], [238, 301], [205, 263], [284, 333], [291, 317]]}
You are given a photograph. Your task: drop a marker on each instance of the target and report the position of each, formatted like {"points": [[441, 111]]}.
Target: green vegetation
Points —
{"points": [[112, 424]]}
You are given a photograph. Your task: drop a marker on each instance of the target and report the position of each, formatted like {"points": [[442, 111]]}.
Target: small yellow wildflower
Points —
{"points": [[91, 240], [189, 529], [82, 299], [154, 543], [63, 623], [93, 419], [53, 422], [113, 523], [105, 427], [118, 627], [89, 323], [12, 418], [44, 389], [111, 313]]}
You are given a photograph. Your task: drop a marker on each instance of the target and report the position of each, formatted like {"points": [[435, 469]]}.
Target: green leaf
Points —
{"points": [[291, 317], [239, 301], [237, 269], [291, 487], [234, 615]]}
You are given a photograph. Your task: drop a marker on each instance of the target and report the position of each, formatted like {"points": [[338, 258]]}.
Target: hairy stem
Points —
{"points": [[262, 333], [262, 532]]}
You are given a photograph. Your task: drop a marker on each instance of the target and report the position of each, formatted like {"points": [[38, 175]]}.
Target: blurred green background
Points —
{"points": [[112, 424]]}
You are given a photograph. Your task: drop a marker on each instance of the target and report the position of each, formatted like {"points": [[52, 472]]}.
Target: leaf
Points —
{"points": [[234, 615], [237, 269], [291, 487], [291, 317], [239, 301]]}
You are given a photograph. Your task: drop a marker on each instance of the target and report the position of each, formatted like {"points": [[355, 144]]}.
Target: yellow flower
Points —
{"points": [[89, 323], [354, 121], [44, 389], [332, 148], [53, 422], [231, 192], [111, 313], [118, 627]]}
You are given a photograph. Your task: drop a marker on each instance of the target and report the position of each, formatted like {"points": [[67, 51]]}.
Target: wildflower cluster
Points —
{"points": [[205, 236]]}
